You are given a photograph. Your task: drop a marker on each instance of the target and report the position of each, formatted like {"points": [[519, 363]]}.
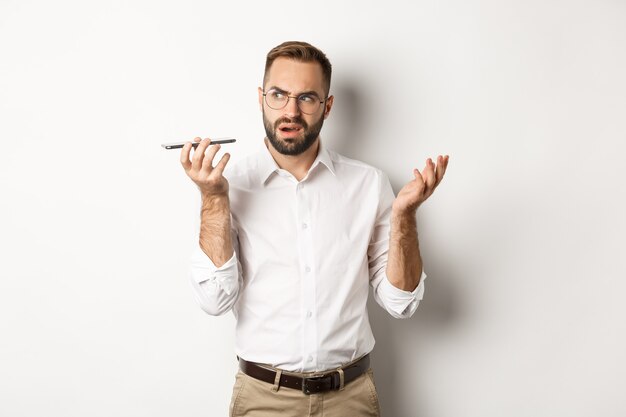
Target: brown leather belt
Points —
{"points": [[309, 385]]}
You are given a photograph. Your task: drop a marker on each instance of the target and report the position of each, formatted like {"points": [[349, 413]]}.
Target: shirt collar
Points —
{"points": [[267, 164]]}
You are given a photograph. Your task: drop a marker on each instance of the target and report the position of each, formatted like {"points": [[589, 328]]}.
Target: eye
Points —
{"points": [[307, 98], [276, 94]]}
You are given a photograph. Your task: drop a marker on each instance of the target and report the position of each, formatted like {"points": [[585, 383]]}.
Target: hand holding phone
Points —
{"points": [[200, 169]]}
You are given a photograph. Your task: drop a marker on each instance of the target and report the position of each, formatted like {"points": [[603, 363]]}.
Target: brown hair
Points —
{"points": [[303, 52]]}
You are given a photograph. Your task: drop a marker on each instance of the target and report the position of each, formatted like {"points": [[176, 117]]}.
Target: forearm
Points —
{"points": [[404, 263], [215, 237]]}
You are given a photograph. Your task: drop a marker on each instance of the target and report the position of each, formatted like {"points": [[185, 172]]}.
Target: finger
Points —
{"points": [[444, 167], [418, 175], [439, 170], [207, 162], [424, 171], [184, 156], [419, 179], [219, 168], [198, 154], [429, 175]]}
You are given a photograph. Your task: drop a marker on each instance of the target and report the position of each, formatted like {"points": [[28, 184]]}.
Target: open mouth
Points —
{"points": [[290, 129]]}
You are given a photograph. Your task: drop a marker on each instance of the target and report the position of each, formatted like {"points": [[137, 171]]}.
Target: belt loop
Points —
{"points": [[341, 379], [277, 380]]}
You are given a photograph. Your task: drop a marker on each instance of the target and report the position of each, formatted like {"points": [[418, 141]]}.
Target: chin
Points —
{"points": [[289, 140]]}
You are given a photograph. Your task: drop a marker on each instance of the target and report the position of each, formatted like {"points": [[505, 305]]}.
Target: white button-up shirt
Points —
{"points": [[304, 254]]}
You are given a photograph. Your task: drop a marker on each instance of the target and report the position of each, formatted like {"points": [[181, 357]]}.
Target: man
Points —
{"points": [[291, 241]]}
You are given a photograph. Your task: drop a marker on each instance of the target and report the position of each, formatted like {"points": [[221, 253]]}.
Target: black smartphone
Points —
{"points": [[178, 145]]}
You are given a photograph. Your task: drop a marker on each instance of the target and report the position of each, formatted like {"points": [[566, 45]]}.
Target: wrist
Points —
{"points": [[403, 215], [215, 200], [215, 208], [403, 226]]}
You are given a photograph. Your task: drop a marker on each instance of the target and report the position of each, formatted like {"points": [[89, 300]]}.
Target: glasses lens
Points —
{"points": [[276, 99], [308, 103]]}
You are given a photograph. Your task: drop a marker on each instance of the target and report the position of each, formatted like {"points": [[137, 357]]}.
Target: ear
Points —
{"points": [[328, 104], [260, 99]]}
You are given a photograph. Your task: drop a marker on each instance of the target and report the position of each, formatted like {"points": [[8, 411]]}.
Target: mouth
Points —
{"points": [[290, 129]]}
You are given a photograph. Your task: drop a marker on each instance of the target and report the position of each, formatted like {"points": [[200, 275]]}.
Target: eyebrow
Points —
{"points": [[299, 94]]}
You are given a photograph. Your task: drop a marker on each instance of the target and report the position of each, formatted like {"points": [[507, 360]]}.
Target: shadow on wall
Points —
{"points": [[396, 356], [397, 341], [347, 134]]}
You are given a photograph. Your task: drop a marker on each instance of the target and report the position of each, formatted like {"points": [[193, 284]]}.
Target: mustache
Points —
{"points": [[296, 120]]}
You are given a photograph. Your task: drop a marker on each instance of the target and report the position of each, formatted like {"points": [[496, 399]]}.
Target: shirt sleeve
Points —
{"points": [[216, 289], [399, 303]]}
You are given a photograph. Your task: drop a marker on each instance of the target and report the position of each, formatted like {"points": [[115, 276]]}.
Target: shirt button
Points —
{"points": [[304, 225], [309, 359], [308, 314], [307, 269]]}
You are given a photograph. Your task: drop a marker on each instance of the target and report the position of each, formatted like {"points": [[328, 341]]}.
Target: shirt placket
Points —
{"points": [[307, 273]]}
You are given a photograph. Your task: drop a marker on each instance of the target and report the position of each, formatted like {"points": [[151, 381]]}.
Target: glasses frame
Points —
{"points": [[289, 98]]}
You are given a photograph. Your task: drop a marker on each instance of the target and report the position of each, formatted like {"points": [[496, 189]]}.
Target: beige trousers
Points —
{"points": [[254, 398]]}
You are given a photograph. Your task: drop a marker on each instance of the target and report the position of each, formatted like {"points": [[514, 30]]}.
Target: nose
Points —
{"points": [[292, 109]]}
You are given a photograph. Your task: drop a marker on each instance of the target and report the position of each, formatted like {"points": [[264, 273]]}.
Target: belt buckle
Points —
{"points": [[306, 381]]}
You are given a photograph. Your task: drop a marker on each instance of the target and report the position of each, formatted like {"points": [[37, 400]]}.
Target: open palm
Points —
{"points": [[415, 192]]}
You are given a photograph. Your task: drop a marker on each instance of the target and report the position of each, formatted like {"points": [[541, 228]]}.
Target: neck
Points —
{"points": [[296, 165]]}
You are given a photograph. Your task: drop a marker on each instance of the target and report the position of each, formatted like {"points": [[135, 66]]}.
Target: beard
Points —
{"points": [[292, 146]]}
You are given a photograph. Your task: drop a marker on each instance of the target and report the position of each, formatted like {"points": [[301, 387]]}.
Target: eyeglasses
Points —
{"points": [[307, 103]]}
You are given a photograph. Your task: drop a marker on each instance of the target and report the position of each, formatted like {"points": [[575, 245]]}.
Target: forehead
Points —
{"points": [[295, 76]]}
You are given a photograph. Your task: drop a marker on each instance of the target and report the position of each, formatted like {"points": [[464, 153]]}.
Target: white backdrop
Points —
{"points": [[523, 313]]}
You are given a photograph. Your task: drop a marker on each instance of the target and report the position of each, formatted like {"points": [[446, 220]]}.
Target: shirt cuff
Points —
{"points": [[397, 299], [204, 271]]}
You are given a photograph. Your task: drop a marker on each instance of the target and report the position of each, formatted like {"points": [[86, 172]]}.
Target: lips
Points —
{"points": [[289, 127]]}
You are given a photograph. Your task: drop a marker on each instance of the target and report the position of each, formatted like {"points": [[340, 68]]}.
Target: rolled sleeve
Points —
{"points": [[400, 303], [216, 289]]}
